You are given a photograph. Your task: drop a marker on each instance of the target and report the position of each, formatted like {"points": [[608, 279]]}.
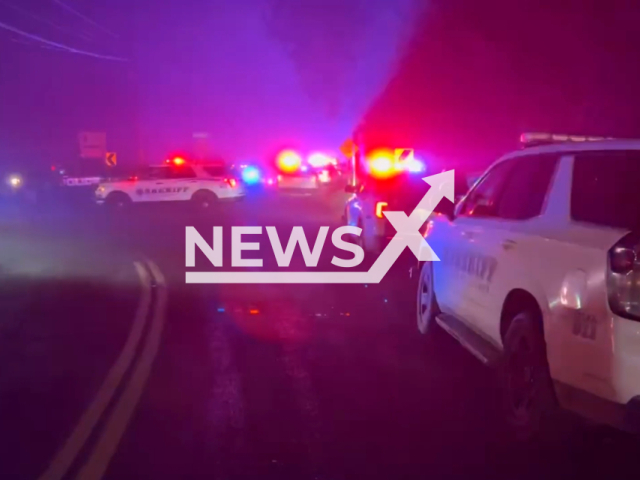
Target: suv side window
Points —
{"points": [[156, 173], [604, 188], [182, 172], [216, 171], [482, 201], [523, 195]]}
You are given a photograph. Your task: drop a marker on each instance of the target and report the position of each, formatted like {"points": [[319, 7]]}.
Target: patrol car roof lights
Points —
{"points": [[289, 161], [414, 166], [251, 175], [176, 161], [317, 160], [382, 164], [623, 274], [539, 138]]}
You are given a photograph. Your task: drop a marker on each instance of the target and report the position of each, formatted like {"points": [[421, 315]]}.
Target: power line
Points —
{"points": [[86, 19], [33, 44], [42, 19], [60, 45]]}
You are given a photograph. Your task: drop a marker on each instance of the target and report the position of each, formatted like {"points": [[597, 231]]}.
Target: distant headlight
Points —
{"points": [[14, 181], [100, 191]]}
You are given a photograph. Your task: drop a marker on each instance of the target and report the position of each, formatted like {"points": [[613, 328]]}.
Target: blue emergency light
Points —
{"points": [[251, 175], [415, 166]]}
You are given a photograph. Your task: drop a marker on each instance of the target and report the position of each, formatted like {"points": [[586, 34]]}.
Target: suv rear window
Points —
{"points": [[605, 188], [216, 171]]}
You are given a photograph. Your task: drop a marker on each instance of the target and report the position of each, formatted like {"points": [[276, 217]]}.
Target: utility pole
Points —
{"points": [[358, 152]]}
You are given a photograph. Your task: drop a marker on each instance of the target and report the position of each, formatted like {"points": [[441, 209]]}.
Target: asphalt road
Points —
{"points": [[112, 367]]}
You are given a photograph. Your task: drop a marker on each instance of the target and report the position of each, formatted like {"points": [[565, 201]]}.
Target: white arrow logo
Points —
{"points": [[407, 235]]}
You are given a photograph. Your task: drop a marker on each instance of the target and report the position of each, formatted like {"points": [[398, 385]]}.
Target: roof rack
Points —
{"points": [[533, 139]]}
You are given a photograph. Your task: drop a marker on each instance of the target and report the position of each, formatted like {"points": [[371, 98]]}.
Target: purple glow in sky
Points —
{"points": [[258, 74]]}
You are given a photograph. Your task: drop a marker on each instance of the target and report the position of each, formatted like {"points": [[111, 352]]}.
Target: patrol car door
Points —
{"points": [[182, 182], [468, 256], [151, 184]]}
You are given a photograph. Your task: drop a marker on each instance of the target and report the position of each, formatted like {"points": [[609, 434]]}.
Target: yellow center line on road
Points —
{"points": [[66, 456], [107, 445]]}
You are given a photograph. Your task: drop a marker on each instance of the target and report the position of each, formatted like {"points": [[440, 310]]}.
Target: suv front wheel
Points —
{"points": [[427, 306], [528, 389], [118, 201]]}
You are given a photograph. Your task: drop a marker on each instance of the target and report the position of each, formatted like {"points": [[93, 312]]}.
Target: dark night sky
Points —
{"points": [[259, 73], [480, 73], [255, 73]]}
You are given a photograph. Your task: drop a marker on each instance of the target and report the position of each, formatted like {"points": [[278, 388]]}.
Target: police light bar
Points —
{"points": [[531, 139]]}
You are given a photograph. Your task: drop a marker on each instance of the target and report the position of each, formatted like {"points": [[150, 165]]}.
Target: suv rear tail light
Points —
{"points": [[231, 182], [380, 206], [623, 277]]}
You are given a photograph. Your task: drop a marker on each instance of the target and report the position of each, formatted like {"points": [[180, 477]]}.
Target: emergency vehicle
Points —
{"points": [[383, 185], [295, 174], [203, 184], [539, 273]]}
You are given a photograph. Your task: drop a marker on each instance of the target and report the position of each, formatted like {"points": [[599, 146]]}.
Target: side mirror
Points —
{"points": [[351, 188]]}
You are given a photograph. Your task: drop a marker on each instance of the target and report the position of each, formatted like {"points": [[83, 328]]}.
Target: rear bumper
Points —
{"points": [[625, 417]]}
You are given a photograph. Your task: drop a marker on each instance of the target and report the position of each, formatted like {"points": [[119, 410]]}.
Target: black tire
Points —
{"points": [[426, 303], [528, 392], [118, 201], [204, 199]]}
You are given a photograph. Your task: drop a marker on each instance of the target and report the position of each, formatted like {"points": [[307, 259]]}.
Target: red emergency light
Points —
{"points": [[289, 161], [382, 164]]}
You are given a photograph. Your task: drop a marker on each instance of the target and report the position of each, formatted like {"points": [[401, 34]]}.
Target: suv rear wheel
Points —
{"points": [[529, 395]]}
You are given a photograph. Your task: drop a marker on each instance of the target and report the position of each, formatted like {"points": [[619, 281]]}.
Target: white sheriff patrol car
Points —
{"points": [[201, 184], [540, 274]]}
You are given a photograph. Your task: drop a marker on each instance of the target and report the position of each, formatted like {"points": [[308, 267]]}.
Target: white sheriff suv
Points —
{"points": [[540, 274], [202, 184]]}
